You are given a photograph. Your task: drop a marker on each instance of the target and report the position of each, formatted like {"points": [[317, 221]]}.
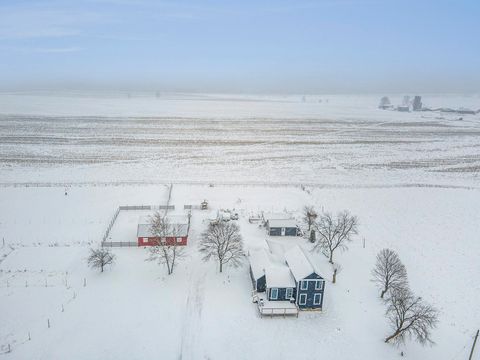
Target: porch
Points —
{"points": [[273, 308]]}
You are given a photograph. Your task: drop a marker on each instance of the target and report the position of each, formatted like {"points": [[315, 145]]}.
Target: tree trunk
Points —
{"points": [[221, 266], [101, 267], [383, 292], [395, 334], [334, 280], [331, 257]]}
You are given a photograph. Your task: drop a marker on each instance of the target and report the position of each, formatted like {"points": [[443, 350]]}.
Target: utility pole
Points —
{"points": [[473, 346]]}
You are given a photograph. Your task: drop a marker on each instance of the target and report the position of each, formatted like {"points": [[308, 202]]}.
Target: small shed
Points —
{"points": [[266, 216], [179, 226], [282, 227]]}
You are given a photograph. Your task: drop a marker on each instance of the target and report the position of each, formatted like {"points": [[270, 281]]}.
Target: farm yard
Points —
{"points": [[411, 178], [196, 306]]}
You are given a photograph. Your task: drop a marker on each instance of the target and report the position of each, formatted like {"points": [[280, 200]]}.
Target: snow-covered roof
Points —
{"points": [[178, 230], [171, 218], [277, 216], [178, 225], [279, 276], [282, 223], [259, 260], [299, 263]]}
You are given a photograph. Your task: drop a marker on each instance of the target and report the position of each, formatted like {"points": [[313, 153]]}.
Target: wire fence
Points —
{"points": [[119, 244], [106, 243]]}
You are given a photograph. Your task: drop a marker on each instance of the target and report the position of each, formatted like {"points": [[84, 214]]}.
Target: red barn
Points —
{"points": [[179, 227]]}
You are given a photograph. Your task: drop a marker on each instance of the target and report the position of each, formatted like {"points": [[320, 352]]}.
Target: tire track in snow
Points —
{"points": [[189, 346]]}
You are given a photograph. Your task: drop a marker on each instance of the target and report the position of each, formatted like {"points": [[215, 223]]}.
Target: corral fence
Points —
{"points": [[119, 243], [106, 243], [192, 207]]}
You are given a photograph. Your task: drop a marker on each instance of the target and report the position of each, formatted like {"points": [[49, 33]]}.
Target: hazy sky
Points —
{"points": [[242, 46]]}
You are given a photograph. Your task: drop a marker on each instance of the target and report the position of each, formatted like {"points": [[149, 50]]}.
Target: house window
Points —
{"points": [[145, 240], [274, 294], [303, 299], [163, 240], [179, 239], [318, 285], [304, 285], [317, 299], [288, 293]]}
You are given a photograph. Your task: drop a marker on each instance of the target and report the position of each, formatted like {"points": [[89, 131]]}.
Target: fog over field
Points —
{"points": [[318, 139]]}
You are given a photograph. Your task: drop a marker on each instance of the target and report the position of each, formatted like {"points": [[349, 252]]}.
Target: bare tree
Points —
{"points": [[389, 272], [99, 258], [165, 252], [335, 232], [410, 316], [224, 243], [309, 216]]}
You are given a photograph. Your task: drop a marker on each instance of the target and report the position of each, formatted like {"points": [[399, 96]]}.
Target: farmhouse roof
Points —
{"points": [[279, 276], [259, 260], [299, 263]]}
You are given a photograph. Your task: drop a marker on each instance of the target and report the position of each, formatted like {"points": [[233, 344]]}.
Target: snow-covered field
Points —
{"points": [[362, 159], [263, 140]]}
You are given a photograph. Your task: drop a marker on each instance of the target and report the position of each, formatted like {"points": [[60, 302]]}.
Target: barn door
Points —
{"points": [[283, 231]]}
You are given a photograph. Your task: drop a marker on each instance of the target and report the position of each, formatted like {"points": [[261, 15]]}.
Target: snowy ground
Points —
{"points": [[412, 179], [135, 311]]}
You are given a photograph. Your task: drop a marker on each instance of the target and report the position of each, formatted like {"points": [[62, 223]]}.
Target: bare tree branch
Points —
{"points": [[99, 258], [224, 243], [309, 216], [335, 232], [389, 272], [163, 252], [410, 317]]}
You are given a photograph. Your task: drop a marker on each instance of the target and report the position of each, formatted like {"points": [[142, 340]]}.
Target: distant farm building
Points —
{"points": [[403, 108], [179, 226]]}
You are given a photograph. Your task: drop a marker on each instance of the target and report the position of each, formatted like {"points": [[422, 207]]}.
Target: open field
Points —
{"points": [[345, 142]]}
